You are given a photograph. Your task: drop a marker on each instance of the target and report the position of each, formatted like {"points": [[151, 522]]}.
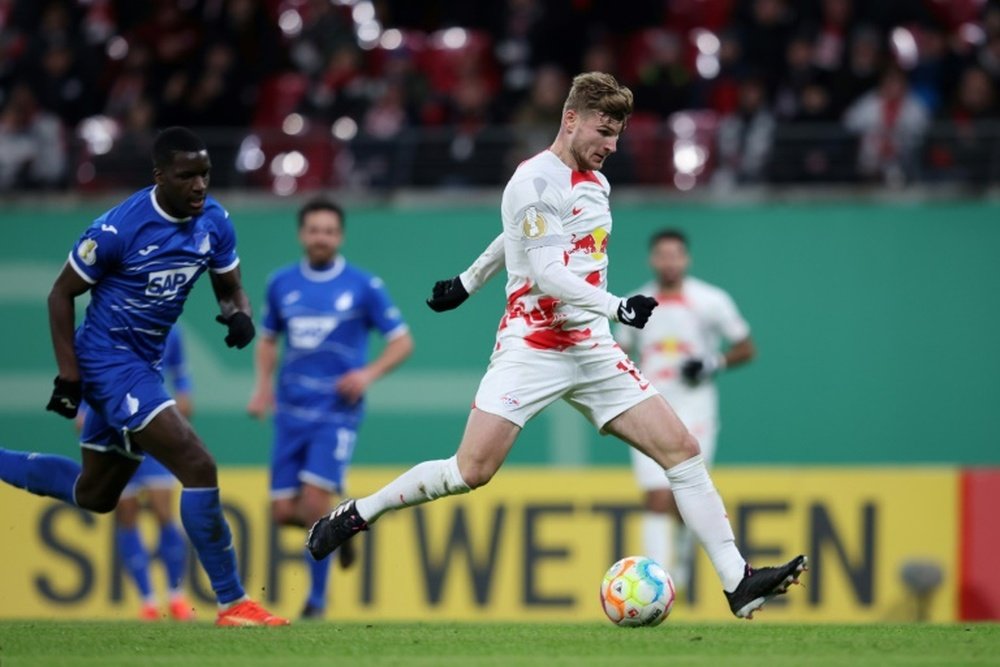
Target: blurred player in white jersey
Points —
{"points": [[554, 341], [680, 351]]}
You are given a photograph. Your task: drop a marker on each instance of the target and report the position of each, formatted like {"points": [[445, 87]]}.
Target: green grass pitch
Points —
{"points": [[72, 644]]}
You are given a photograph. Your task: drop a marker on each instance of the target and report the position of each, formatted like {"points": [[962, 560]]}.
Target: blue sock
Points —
{"points": [[319, 571], [201, 514], [41, 474], [173, 553], [134, 558]]}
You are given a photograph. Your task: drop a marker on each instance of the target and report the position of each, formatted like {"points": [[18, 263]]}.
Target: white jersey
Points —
{"points": [[692, 323], [546, 203]]}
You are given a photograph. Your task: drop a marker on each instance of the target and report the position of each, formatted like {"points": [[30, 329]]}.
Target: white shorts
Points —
{"points": [[650, 475], [597, 378]]}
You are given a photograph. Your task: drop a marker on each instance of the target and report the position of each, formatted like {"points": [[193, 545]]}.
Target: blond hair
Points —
{"points": [[600, 92]]}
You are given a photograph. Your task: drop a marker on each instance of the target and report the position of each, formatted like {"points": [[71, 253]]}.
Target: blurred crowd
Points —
{"points": [[300, 93]]}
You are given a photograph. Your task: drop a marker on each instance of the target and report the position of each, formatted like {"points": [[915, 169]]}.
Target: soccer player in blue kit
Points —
{"points": [[153, 479], [140, 260], [325, 309]]}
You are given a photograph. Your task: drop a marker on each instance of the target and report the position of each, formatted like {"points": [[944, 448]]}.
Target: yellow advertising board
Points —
{"points": [[533, 545]]}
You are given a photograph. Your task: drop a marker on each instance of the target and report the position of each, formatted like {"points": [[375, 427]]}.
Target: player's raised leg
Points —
{"points": [[95, 485], [484, 447], [652, 427], [170, 438]]}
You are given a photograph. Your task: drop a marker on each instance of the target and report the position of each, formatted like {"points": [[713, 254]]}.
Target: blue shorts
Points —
{"points": [[151, 474], [306, 452], [124, 395]]}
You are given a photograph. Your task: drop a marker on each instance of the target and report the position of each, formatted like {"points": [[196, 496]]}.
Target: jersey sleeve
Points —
{"points": [[728, 320], [487, 265], [627, 337], [271, 323], [536, 213], [97, 251], [382, 312], [224, 257], [175, 362]]}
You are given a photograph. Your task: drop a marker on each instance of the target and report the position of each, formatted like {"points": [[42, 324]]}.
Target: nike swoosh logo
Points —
{"points": [[628, 315], [109, 228], [148, 249], [577, 211], [68, 403]]}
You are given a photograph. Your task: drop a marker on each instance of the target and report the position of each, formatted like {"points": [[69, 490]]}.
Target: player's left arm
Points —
{"points": [[227, 283], [354, 384], [725, 317], [384, 316], [234, 306]]}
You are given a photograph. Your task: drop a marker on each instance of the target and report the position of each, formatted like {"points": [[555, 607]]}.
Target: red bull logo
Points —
{"points": [[673, 347], [594, 244]]}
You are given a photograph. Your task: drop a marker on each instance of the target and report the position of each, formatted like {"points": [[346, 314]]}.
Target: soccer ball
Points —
{"points": [[636, 591]]}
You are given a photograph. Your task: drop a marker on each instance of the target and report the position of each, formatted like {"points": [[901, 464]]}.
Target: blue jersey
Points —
{"points": [[325, 318], [142, 263]]}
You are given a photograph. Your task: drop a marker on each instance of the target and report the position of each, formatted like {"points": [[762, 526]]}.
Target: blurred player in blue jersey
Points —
{"points": [[324, 308], [155, 482], [140, 260]]}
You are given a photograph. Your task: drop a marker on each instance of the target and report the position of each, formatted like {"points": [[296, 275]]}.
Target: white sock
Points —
{"points": [[657, 538], [703, 512], [683, 554], [420, 484]]}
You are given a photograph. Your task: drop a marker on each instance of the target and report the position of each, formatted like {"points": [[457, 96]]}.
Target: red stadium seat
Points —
{"points": [[279, 96]]}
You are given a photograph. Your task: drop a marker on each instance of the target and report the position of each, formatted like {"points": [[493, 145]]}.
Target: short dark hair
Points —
{"points": [[322, 205], [175, 140], [668, 235]]}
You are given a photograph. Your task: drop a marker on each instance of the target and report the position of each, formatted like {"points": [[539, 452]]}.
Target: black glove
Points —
{"points": [[697, 370], [447, 295], [66, 397], [635, 310], [241, 329]]}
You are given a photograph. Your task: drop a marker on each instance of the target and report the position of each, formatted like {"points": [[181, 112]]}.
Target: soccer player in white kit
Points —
{"points": [[679, 350], [554, 341]]}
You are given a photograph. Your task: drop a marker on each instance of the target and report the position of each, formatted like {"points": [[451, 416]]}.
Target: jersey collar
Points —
{"points": [[322, 276], [164, 214]]}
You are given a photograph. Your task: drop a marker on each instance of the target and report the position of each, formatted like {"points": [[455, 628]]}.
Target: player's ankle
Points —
{"points": [[223, 606]]}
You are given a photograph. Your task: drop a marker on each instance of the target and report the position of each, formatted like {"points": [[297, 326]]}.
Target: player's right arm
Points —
{"points": [[452, 293], [97, 251], [62, 321]]}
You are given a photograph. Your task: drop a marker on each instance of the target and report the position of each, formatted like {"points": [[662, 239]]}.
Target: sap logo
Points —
{"points": [[307, 333], [166, 284]]}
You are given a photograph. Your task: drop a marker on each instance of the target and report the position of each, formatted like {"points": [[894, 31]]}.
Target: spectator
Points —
{"points": [[746, 137], [861, 74], [799, 74], [964, 151], [324, 32], [835, 23], [890, 122], [765, 31], [532, 121], [664, 79], [32, 149]]}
